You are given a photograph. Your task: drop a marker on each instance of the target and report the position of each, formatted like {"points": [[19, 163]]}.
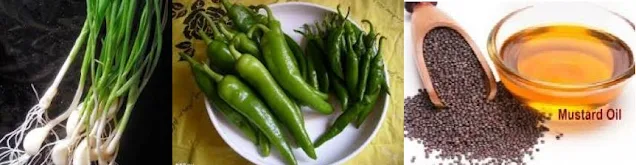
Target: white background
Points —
{"points": [[607, 142]]}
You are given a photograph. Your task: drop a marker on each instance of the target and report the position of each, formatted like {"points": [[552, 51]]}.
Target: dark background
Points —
{"points": [[35, 39]]}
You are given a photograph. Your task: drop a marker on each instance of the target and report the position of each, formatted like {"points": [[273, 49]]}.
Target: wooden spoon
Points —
{"points": [[426, 17]]}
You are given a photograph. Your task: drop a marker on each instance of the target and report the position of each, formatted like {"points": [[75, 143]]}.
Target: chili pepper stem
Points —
{"points": [[215, 30], [215, 76], [224, 30], [226, 4], [270, 16], [205, 37], [344, 20], [257, 26], [370, 25], [235, 52]]}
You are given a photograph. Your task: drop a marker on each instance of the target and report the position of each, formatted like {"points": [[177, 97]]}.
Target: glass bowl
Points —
{"points": [[550, 97]]}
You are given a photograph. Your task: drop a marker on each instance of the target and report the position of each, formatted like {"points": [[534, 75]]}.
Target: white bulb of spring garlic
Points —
{"points": [[59, 153], [81, 154]]}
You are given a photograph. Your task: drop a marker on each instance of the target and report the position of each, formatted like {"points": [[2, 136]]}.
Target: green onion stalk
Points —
{"points": [[123, 41]]}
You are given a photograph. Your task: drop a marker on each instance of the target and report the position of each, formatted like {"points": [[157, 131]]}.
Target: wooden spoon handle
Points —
{"points": [[427, 17]]}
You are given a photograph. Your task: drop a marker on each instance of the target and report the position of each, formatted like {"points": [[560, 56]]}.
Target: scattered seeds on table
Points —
{"points": [[469, 129]]}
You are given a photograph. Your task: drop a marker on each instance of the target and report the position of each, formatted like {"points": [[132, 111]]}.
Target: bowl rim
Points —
{"points": [[508, 72], [377, 126]]}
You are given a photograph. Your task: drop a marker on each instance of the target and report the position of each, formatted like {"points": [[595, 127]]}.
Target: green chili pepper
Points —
{"points": [[263, 145], [314, 51], [341, 92], [380, 65], [219, 54], [347, 117], [279, 60], [312, 75], [376, 73], [317, 57], [241, 42], [368, 103], [208, 87], [376, 78], [365, 62], [255, 73], [301, 62], [360, 110], [241, 16], [245, 101], [350, 33], [343, 120], [335, 48], [369, 39], [327, 27], [351, 30], [359, 47], [352, 69]]}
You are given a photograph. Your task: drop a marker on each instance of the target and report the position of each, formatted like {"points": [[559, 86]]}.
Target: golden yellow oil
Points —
{"points": [[564, 55]]}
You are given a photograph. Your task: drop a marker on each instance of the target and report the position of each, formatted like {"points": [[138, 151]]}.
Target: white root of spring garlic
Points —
{"points": [[33, 140], [22, 159], [12, 140], [60, 152], [47, 156], [15, 138], [81, 154]]}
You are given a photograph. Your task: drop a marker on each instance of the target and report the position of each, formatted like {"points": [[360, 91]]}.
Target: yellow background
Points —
{"points": [[194, 138]]}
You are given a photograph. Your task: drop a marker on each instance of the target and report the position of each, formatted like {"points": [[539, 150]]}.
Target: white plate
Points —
{"points": [[335, 151]]}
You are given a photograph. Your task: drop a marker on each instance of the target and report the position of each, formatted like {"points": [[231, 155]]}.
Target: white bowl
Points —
{"points": [[338, 150]]}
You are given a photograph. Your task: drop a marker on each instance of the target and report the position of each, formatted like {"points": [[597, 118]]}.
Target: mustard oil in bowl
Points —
{"points": [[563, 56]]}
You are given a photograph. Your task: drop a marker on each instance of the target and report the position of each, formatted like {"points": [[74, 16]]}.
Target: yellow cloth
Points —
{"points": [[194, 138]]}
